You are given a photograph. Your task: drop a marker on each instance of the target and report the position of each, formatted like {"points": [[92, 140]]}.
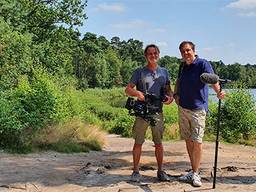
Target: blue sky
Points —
{"points": [[221, 29]]}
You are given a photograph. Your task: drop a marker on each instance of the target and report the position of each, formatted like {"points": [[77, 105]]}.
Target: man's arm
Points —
{"points": [[168, 89], [216, 88], [169, 94], [131, 91], [176, 94]]}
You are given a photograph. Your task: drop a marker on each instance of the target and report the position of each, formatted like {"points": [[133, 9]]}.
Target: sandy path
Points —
{"points": [[109, 169]]}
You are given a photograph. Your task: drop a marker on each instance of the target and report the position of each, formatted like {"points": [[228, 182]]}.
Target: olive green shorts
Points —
{"points": [[192, 124], [140, 127]]}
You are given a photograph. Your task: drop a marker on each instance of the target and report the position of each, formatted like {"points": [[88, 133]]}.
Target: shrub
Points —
{"points": [[123, 125], [238, 116], [170, 113], [35, 102], [11, 126]]}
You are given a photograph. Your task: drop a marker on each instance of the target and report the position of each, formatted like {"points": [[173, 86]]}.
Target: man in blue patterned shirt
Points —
{"points": [[150, 79]]}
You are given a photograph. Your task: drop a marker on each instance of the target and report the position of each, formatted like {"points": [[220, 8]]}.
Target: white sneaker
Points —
{"points": [[187, 178], [196, 180]]}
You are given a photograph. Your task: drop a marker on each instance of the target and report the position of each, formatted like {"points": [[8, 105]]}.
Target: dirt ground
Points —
{"points": [[109, 170]]}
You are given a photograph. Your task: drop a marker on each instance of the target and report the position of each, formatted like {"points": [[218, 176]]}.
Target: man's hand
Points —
{"points": [[169, 100], [131, 91], [140, 96], [177, 99], [221, 95]]}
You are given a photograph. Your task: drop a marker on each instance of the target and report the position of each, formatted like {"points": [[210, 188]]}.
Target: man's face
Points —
{"points": [[188, 54], [152, 55]]}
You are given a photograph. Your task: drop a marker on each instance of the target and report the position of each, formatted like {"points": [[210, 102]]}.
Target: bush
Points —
{"points": [[123, 125], [170, 113], [33, 104], [101, 103], [238, 116], [11, 126], [211, 122]]}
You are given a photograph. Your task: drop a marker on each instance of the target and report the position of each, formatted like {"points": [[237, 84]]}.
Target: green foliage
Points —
{"points": [[126, 70], [15, 55], [113, 66], [170, 113], [123, 125], [35, 100], [239, 74], [238, 116], [211, 120], [172, 64], [41, 99], [11, 126], [41, 17], [45, 63], [33, 104], [56, 53], [97, 72], [103, 106], [108, 106]]}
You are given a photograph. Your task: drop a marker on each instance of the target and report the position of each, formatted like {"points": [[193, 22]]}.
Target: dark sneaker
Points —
{"points": [[187, 178], [135, 177], [162, 176]]}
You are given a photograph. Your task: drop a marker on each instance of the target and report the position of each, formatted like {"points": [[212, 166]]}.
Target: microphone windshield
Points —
{"points": [[209, 78]]}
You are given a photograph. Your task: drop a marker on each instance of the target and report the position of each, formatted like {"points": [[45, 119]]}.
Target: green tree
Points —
{"points": [[41, 17], [126, 70], [97, 72], [132, 49], [172, 65], [57, 53], [15, 57], [113, 66]]}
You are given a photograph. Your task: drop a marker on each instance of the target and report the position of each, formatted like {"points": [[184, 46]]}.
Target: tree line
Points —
{"points": [[47, 67], [45, 34]]}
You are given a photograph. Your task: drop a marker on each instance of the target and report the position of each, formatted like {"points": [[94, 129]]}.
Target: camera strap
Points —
{"points": [[143, 80]]}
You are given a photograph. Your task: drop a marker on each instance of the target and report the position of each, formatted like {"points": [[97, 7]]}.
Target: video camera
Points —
{"points": [[146, 109]]}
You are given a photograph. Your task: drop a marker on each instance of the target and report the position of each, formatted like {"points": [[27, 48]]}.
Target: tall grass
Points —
{"points": [[72, 136]]}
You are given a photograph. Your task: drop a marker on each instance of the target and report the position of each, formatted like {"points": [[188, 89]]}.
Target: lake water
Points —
{"points": [[212, 94]]}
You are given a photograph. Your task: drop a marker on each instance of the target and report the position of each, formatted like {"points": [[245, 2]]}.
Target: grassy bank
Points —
{"points": [[43, 117]]}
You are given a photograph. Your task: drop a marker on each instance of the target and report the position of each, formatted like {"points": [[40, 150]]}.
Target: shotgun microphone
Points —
{"points": [[210, 78]]}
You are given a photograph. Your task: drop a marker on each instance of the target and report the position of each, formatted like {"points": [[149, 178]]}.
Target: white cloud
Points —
{"points": [[247, 8], [248, 14], [243, 4], [130, 25], [114, 7]]}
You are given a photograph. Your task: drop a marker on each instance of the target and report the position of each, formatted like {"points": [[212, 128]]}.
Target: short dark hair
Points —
{"points": [[149, 46], [187, 42]]}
